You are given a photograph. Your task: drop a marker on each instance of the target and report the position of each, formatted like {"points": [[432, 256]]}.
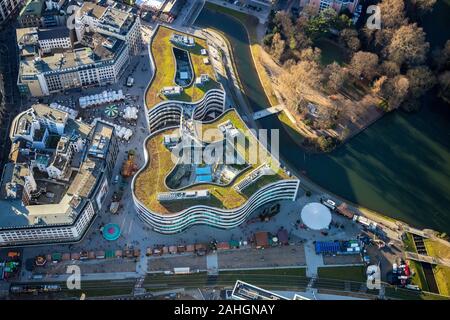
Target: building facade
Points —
{"points": [[7, 7], [337, 5], [57, 207]]}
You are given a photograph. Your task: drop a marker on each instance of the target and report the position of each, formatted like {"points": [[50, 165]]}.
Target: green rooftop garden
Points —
{"points": [[162, 52], [151, 180]]}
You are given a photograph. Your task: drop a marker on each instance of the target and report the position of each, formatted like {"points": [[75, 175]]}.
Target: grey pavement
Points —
{"points": [[313, 260]]}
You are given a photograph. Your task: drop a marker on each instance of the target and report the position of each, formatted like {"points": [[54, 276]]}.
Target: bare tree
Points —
{"points": [[283, 18], [390, 68], [395, 91], [303, 76], [392, 13], [278, 47], [408, 45], [364, 64], [350, 38], [311, 55], [335, 75], [421, 79]]}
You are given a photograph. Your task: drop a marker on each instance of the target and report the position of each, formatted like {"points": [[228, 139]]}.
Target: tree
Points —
{"points": [[441, 58], [310, 54], [444, 86], [390, 68], [350, 39], [421, 79], [283, 21], [303, 76], [267, 40], [377, 87], [335, 75], [408, 45], [423, 6], [278, 46], [325, 143], [319, 25], [392, 13], [364, 64], [395, 91]]}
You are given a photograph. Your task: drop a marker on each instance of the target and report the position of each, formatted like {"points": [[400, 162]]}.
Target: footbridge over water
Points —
{"points": [[267, 112]]}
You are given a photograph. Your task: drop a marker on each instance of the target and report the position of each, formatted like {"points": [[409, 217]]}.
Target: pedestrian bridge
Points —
{"points": [[267, 112]]}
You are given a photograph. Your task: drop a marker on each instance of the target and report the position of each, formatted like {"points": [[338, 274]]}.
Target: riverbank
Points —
{"points": [[375, 169]]}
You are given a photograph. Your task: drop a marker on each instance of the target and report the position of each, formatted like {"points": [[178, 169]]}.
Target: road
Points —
{"points": [[10, 99]]}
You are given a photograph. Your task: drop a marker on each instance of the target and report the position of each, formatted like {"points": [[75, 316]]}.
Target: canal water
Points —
{"points": [[400, 166]]}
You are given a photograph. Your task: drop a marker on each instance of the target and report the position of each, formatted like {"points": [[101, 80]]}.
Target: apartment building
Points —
{"points": [[96, 53], [338, 5], [122, 23], [101, 61], [43, 14]]}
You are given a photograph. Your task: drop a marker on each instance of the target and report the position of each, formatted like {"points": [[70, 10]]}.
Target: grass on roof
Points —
{"points": [[161, 48], [151, 180]]}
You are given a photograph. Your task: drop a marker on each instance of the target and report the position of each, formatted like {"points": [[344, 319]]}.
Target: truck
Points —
{"points": [[130, 81]]}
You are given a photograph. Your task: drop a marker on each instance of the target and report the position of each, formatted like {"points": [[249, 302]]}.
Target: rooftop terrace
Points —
{"points": [[151, 181], [163, 57]]}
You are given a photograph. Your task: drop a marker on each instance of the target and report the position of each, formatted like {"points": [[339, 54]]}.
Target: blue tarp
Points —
{"points": [[203, 178], [327, 247], [203, 170]]}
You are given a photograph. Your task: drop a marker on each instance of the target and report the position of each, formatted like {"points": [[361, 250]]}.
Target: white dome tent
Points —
{"points": [[316, 216]]}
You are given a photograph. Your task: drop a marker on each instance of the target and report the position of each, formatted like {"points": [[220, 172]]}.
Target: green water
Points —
{"points": [[400, 166]]}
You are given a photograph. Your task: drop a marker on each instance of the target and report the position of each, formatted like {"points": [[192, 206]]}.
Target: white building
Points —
{"points": [[102, 63], [110, 21], [108, 37], [37, 211]]}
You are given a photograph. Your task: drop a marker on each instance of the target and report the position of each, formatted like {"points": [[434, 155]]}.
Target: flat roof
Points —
{"points": [[62, 201], [92, 9], [53, 33], [152, 179]]}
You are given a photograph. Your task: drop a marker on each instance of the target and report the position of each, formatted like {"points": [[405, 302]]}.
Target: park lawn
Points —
{"points": [[266, 278], [442, 277], [158, 281], [408, 242], [162, 53], [441, 273], [350, 273], [437, 249], [330, 52], [250, 23], [418, 277], [150, 181]]}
